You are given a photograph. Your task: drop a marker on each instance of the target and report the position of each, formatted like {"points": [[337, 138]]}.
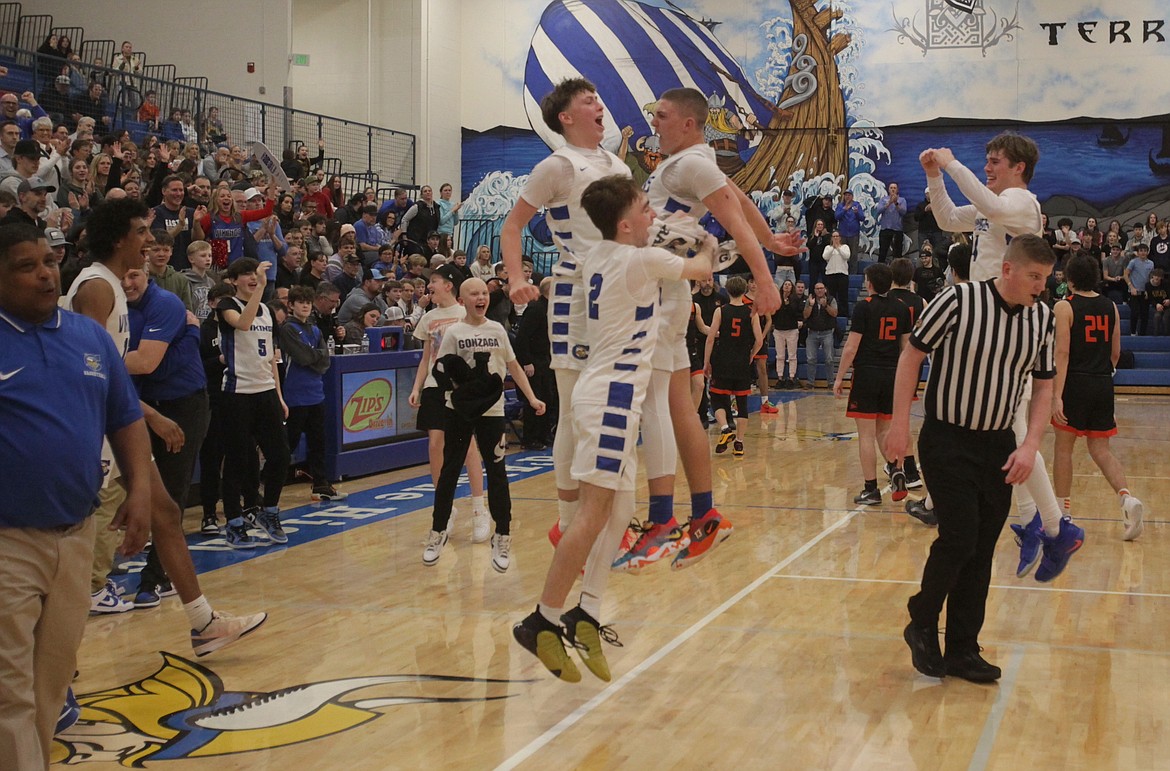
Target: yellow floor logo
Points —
{"points": [[184, 711]]}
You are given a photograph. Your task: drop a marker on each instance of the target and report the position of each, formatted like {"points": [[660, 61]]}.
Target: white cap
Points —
{"points": [[251, 193]]}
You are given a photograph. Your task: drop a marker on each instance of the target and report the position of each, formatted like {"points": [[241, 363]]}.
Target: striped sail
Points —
{"points": [[632, 52]]}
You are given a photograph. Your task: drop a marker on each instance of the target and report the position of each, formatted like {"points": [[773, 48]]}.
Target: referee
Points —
{"points": [[985, 339]]}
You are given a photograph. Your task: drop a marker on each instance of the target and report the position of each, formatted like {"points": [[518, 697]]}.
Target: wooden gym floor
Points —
{"points": [[783, 650]]}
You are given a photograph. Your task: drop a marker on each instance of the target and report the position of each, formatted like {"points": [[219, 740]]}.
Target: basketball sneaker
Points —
{"points": [[251, 517], [920, 512], [869, 497], [70, 712], [224, 630], [737, 448], [767, 408], [544, 639], [106, 601], [656, 542], [210, 525], [725, 438], [1028, 539], [237, 537], [898, 485], [270, 522], [586, 635], [435, 543], [147, 597], [327, 493], [630, 537], [501, 552], [913, 477], [704, 534], [480, 526], [1058, 550], [1132, 513], [555, 533]]}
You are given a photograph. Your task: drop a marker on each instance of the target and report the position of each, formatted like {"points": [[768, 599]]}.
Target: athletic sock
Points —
{"points": [[929, 502], [198, 613], [551, 615], [565, 512], [591, 604], [1066, 505], [701, 503], [1122, 493], [870, 485], [661, 509], [477, 504]]}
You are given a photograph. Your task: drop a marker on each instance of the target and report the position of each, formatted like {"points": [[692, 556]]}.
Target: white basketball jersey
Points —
{"points": [[247, 353], [666, 200], [118, 326], [989, 239], [574, 234]]}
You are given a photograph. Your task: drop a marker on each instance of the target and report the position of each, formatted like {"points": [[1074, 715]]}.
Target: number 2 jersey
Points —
{"points": [[881, 320], [622, 317]]}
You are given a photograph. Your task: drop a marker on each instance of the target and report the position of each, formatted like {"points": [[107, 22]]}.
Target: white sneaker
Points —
{"points": [[1132, 512], [435, 544], [501, 548], [224, 630], [481, 527], [106, 601]]}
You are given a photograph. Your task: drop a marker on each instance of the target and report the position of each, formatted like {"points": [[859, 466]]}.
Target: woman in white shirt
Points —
{"points": [[837, 273]]}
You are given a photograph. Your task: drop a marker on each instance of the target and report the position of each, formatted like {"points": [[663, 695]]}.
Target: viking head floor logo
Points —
{"points": [[184, 711]]}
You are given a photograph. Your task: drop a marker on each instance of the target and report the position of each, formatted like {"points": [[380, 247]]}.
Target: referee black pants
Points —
{"points": [[963, 470]]}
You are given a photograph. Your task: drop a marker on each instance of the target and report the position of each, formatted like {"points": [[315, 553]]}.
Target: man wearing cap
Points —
{"points": [[32, 197], [370, 291], [270, 245], [850, 218], [26, 159], [9, 105], [821, 209], [365, 234], [56, 102]]}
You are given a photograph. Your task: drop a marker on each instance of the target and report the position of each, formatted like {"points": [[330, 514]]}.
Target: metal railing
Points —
{"points": [[361, 154]]}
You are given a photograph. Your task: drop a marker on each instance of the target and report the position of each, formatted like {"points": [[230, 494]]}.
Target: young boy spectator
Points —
{"points": [[305, 356], [211, 453], [1159, 301], [1088, 344], [727, 360], [163, 273], [928, 276], [623, 274], [474, 357], [1137, 276], [253, 409], [878, 331], [199, 279], [427, 398]]}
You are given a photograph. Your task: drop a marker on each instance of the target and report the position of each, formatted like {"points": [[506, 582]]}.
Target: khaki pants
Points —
{"points": [[42, 616], [105, 542]]}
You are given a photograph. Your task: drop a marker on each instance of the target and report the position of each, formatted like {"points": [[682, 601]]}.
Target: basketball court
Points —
{"points": [[782, 650]]}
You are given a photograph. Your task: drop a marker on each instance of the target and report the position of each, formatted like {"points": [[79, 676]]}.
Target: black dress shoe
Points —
{"points": [[971, 666], [924, 650]]}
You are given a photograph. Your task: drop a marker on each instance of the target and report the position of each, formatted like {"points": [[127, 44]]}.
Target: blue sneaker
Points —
{"points": [[70, 712], [270, 522], [1028, 539], [147, 597], [237, 537], [1059, 550]]}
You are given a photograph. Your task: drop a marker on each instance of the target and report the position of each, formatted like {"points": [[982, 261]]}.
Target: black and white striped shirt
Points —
{"points": [[982, 353]]}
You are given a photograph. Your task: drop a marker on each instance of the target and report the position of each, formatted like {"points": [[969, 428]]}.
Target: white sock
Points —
{"points": [[565, 512], [198, 613], [929, 502], [604, 552], [551, 615], [1039, 489], [477, 504]]}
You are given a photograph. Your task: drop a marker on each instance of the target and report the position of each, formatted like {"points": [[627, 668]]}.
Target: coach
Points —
{"points": [[50, 470], [984, 339]]}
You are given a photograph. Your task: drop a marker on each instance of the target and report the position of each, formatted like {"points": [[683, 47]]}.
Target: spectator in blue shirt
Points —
{"points": [[890, 210], [365, 232], [46, 531], [1137, 276], [850, 218], [168, 372]]}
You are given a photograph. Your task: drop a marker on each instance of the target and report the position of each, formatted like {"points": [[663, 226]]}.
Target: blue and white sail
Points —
{"points": [[632, 52]]}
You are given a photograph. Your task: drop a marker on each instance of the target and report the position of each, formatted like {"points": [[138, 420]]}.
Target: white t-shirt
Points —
{"points": [[994, 219], [679, 184], [432, 326], [247, 353], [467, 339]]}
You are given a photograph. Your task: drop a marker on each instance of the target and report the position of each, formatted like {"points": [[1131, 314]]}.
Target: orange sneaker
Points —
{"points": [[767, 408], [656, 542], [706, 532]]}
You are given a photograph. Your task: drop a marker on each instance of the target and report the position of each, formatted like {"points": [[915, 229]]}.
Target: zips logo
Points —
{"points": [[367, 405]]}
